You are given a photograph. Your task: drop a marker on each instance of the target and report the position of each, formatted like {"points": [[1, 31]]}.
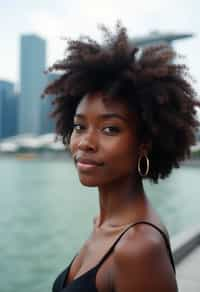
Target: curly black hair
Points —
{"points": [[146, 79]]}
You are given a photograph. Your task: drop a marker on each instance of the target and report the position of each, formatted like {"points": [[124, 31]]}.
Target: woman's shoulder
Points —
{"points": [[143, 236], [140, 257]]}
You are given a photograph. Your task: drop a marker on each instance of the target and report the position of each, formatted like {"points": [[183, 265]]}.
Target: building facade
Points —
{"points": [[47, 123], [32, 82], [8, 110]]}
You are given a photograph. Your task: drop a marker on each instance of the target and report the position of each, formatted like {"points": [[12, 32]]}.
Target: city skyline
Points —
{"points": [[73, 18], [32, 111]]}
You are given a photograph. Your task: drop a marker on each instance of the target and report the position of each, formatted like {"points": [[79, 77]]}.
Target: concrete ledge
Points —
{"points": [[185, 243], [191, 162]]}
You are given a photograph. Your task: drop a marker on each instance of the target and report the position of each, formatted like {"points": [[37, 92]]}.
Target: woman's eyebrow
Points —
{"points": [[113, 115], [105, 116]]}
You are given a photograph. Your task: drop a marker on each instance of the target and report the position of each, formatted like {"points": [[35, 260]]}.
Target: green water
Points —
{"points": [[46, 215]]}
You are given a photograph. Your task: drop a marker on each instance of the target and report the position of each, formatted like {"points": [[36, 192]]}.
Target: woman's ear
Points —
{"points": [[149, 146], [145, 147]]}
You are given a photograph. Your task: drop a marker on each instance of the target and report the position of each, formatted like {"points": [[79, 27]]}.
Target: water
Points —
{"points": [[46, 215]]}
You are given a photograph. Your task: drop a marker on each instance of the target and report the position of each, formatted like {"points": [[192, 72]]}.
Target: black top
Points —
{"points": [[86, 282]]}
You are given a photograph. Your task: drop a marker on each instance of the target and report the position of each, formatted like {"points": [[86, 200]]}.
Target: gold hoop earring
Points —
{"points": [[147, 165]]}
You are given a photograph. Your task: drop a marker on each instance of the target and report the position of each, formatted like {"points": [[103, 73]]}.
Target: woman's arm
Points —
{"points": [[142, 263]]}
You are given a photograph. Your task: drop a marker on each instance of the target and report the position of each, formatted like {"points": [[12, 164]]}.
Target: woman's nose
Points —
{"points": [[88, 142]]}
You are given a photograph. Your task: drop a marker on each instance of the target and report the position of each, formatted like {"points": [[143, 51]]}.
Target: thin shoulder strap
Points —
{"points": [[133, 224]]}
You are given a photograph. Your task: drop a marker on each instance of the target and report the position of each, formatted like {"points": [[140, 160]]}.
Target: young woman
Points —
{"points": [[127, 114]]}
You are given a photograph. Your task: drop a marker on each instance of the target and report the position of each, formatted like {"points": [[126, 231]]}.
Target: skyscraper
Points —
{"points": [[32, 82], [47, 123], [8, 109]]}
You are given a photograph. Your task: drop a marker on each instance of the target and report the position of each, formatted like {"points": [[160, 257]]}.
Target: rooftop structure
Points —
{"points": [[158, 37]]}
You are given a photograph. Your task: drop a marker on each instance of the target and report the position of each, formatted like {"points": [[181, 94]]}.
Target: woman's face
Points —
{"points": [[104, 144]]}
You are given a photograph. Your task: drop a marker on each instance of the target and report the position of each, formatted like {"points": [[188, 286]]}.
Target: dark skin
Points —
{"points": [[105, 148]]}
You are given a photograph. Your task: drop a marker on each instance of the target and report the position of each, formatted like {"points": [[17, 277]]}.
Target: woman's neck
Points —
{"points": [[119, 203]]}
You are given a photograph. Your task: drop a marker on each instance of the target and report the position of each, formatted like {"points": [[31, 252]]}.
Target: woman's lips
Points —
{"points": [[86, 164]]}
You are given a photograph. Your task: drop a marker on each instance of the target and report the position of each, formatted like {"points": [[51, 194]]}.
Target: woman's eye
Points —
{"points": [[78, 127], [111, 130]]}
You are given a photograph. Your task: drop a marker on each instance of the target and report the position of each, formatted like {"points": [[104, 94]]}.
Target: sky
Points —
{"points": [[56, 20]]}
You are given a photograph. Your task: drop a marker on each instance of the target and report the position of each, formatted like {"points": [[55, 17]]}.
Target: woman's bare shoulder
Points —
{"points": [[141, 262], [141, 238]]}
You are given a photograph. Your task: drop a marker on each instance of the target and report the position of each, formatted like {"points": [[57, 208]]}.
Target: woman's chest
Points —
{"points": [[89, 270]]}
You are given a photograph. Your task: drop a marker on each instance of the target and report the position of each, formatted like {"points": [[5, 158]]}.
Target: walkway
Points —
{"points": [[188, 270]]}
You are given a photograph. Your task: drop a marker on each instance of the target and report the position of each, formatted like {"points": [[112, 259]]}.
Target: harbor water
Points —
{"points": [[46, 215]]}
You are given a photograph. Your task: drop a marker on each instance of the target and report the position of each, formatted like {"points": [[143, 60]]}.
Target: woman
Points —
{"points": [[127, 115]]}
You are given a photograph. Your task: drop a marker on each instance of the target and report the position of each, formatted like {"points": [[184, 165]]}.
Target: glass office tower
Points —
{"points": [[32, 82]]}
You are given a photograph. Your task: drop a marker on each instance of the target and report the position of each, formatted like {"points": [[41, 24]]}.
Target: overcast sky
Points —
{"points": [[54, 20]]}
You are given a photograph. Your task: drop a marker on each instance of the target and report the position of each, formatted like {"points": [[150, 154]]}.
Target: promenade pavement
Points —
{"points": [[188, 272]]}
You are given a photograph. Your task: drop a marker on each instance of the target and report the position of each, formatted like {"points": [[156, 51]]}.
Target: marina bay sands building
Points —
{"points": [[156, 37]]}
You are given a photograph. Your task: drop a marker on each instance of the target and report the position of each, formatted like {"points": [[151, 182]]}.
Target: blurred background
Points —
{"points": [[45, 213]]}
